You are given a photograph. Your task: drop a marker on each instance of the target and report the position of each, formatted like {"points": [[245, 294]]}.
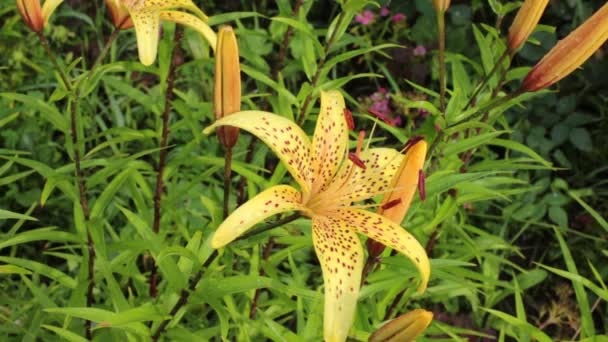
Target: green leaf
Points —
{"points": [[5, 214], [588, 328], [49, 112], [41, 234], [581, 139], [558, 215], [66, 334], [470, 143], [12, 269], [521, 325], [42, 269]]}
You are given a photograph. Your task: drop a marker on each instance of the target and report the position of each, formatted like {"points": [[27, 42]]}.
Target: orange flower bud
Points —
{"points": [[404, 328], [227, 89], [120, 14], [395, 204], [35, 16], [32, 14], [524, 23], [569, 53], [441, 5]]}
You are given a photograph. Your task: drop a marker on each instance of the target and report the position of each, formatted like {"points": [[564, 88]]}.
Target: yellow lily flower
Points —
{"points": [[570, 52], [524, 23], [404, 328], [35, 16], [120, 14], [329, 184], [147, 14]]}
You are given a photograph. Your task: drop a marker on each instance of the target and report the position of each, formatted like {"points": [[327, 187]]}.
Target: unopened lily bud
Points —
{"points": [[36, 16], [441, 5], [120, 14], [404, 328], [227, 88], [569, 53], [524, 23], [395, 204]]}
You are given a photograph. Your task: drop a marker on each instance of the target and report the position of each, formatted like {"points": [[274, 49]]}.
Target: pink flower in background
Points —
{"points": [[384, 11], [420, 50], [365, 18], [398, 17]]}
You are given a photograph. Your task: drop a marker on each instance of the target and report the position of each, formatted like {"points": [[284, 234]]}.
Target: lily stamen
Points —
{"points": [[350, 122], [391, 204], [421, 185]]}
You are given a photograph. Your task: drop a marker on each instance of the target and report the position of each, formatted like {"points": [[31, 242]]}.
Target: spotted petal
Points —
{"points": [[341, 256], [48, 8], [285, 138], [381, 165], [193, 22], [146, 28], [390, 234], [157, 5], [273, 201], [330, 140]]}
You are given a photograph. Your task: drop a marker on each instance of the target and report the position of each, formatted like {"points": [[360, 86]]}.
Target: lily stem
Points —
{"points": [[227, 178], [162, 159], [49, 52], [442, 68]]}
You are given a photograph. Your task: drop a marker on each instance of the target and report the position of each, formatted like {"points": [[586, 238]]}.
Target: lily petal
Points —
{"points": [[341, 256], [390, 234], [191, 21], [48, 8], [273, 201], [284, 137], [330, 140], [404, 183], [147, 30], [381, 165]]}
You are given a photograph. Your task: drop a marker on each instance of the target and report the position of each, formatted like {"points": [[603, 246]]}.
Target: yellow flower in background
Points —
{"points": [[329, 185], [35, 16], [227, 83], [524, 23], [404, 328], [120, 14], [441, 5], [570, 52], [147, 14]]}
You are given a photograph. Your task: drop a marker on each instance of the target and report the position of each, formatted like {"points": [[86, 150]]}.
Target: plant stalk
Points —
{"points": [[227, 180], [162, 160], [442, 68]]}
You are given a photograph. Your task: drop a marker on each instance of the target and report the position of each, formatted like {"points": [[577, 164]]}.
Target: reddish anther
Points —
{"points": [[411, 142], [356, 160], [348, 115], [421, 185], [391, 204]]}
